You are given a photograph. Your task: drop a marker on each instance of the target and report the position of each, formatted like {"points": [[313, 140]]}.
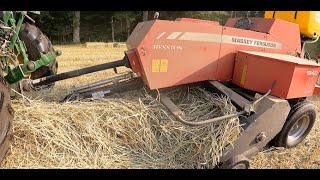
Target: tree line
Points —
{"points": [[114, 26]]}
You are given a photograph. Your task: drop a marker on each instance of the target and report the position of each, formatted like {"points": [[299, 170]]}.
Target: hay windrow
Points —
{"points": [[134, 131]]}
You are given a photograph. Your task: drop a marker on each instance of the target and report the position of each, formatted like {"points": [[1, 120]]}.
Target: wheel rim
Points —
{"points": [[240, 166], [298, 129]]}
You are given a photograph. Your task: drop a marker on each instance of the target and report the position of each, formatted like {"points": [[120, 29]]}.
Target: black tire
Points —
{"points": [[241, 165], [6, 117], [36, 42], [297, 126], [236, 162]]}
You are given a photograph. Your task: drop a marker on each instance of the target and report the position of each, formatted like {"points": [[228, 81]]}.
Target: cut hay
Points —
{"points": [[95, 44], [105, 45], [134, 131]]}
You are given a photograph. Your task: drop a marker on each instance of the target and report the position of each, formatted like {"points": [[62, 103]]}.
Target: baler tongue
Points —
{"points": [[75, 73]]}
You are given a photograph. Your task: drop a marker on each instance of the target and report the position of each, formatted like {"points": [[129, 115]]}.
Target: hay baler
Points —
{"points": [[259, 63]]}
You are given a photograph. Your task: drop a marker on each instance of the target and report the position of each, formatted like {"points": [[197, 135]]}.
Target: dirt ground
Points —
{"points": [[305, 155]]}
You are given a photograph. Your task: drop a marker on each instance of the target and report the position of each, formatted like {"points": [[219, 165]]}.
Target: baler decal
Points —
{"points": [[174, 35], [160, 35], [244, 74], [203, 37], [164, 65], [218, 38], [155, 65], [167, 47], [250, 42], [159, 65]]}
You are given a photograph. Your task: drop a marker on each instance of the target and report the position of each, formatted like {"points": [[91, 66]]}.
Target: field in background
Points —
{"points": [[306, 155]]}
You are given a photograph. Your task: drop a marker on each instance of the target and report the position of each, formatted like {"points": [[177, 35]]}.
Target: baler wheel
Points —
{"points": [[36, 42], [6, 117], [297, 126], [236, 162], [241, 165]]}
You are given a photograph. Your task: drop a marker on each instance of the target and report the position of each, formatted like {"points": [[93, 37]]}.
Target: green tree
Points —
{"points": [[57, 25]]}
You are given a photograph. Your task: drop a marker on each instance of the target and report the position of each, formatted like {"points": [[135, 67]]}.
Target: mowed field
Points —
{"points": [[34, 125]]}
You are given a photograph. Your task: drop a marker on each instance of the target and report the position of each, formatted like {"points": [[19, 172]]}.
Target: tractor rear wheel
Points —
{"points": [[297, 126], [36, 43], [6, 116]]}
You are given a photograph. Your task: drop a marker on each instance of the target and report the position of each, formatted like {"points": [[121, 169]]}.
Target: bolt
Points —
{"points": [[58, 52], [26, 84], [261, 137], [143, 51], [30, 66]]}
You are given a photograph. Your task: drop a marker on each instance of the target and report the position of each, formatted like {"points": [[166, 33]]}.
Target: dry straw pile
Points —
{"points": [[131, 131]]}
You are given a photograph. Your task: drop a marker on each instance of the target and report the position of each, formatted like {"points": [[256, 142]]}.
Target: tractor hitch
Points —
{"points": [[31, 84], [19, 72]]}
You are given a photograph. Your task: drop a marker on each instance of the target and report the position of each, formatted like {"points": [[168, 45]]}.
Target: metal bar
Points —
{"points": [[240, 101], [129, 85], [268, 92], [177, 113], [28, 17], [99, 83], [171, 106], [16, 31], [313, 40], [78, 72], [209, 121]]}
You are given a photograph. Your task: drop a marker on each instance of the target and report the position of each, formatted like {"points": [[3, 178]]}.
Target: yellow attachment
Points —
{"points": [[309, 21]]}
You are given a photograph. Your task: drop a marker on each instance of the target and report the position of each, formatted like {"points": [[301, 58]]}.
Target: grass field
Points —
{"points": [[28, 151]]}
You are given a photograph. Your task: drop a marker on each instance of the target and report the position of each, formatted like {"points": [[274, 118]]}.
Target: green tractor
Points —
{"points": [[25, 52]]}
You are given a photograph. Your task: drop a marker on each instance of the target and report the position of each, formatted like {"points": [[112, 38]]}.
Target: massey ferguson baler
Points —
{"points": [[259, 63]]}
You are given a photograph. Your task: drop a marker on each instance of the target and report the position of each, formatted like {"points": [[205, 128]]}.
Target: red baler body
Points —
{"points": [[170, 53], [295, 77]]}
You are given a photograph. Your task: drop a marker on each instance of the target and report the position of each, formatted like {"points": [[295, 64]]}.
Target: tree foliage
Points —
{"points": [[57, 25], [96, 25]]}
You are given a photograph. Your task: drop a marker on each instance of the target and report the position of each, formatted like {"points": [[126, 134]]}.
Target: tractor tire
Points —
{"points": [[297, 126], [36, 42], [6, 117]]}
